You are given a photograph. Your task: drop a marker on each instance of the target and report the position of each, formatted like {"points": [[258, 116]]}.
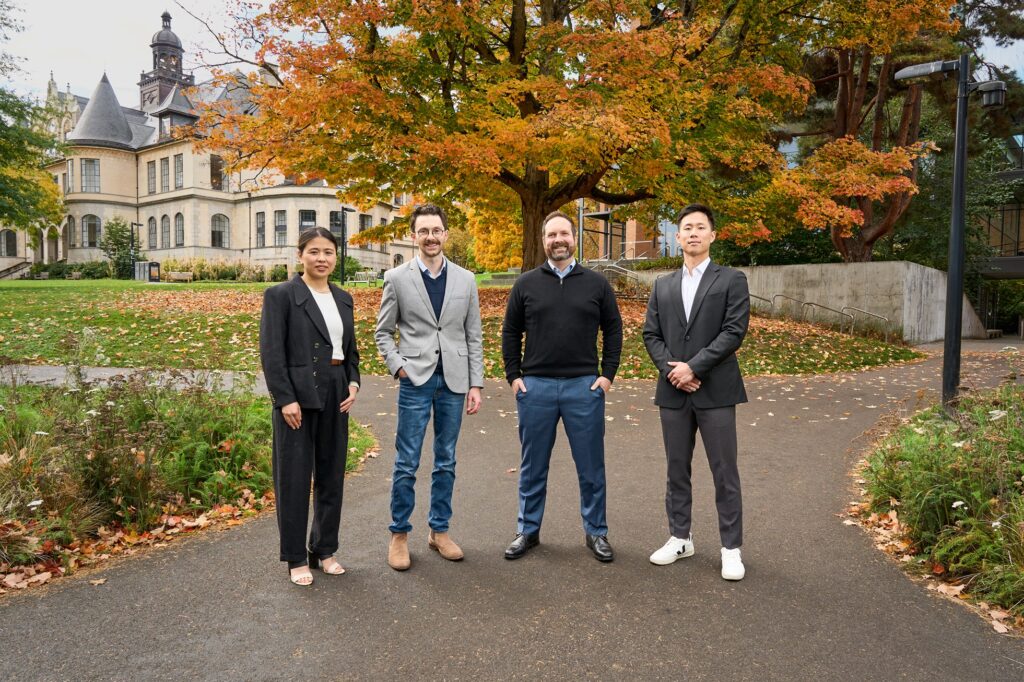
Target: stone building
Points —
{"points": [[124, 161]]}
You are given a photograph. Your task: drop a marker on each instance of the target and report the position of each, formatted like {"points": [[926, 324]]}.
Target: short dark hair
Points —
{"points": [[427, 209], [557, 214], [309, 234], [697, 208]]}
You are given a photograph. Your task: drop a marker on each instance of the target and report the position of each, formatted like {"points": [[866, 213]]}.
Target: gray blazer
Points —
{"points": [[708, 342], [456, 337]]}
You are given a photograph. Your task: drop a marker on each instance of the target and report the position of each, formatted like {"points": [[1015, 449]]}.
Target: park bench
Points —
{"points": [[73, 275], [179, 276], [364, 277], [43, 275]]}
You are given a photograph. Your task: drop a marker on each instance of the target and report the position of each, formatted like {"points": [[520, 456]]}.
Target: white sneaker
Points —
{"points": [[732, 564], [675, 548]]}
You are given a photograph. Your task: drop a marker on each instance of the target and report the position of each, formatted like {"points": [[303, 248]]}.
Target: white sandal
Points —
{"points": [[334, 568], [301, 579]]}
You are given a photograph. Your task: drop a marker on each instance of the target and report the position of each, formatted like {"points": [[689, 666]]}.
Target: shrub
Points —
{"points": [[279, 273], [96, 269], [958, 488], [664, 263]]}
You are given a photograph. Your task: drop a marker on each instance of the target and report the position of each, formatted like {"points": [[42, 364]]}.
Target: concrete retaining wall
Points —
{"points": [[911, 296]]}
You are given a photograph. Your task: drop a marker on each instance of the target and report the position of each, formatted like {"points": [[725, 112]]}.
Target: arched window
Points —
{"points": [[165, 232], [152, 234], [91, 228], [179, 230], [398, 259], [219, 231], [8, 243], [72, 231]]}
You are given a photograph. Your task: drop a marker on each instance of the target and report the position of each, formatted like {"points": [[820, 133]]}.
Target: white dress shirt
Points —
{"points": [[690, 283]]}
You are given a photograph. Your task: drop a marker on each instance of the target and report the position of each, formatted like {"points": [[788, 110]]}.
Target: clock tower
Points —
{"points": [[167, 72]]}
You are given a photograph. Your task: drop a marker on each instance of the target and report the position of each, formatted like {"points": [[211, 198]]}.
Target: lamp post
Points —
{"points": [[131, 248], [345, 210], [993, 95]]}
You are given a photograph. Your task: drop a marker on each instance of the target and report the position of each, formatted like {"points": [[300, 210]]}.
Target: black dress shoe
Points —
{"points": [[522, 544], [598, 544]]}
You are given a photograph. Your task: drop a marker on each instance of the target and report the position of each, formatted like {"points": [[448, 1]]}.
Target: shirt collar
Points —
{"points": [[424, 268], [699, 270], [566, 271]]}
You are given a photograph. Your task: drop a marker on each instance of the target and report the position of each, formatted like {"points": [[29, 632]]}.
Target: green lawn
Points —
{"points": [[216, 326]]}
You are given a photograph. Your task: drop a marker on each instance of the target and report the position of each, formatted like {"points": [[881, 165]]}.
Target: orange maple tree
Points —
{"points": [[537, 103]]}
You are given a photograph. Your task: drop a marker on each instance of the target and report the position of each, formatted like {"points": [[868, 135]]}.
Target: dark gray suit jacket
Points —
{"points": [[708, 343], [295, 346]]}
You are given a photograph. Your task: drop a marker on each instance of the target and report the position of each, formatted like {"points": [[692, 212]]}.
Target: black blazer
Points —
{"points": [[295, 347], [718, 323]]}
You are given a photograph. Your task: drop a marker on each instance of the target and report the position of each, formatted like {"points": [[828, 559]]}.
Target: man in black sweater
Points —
{"points": [[560, 306]]}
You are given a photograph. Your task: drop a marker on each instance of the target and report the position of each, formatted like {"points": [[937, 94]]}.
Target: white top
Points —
{"points": [[329, 309], [690, 284]]}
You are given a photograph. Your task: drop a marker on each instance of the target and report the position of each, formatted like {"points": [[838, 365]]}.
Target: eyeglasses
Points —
{"points": [[436, 232]]}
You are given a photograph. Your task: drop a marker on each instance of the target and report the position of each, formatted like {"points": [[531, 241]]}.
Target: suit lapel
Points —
{"points": [[675, 296], [417, 281], [709, 277], [304, 299]]}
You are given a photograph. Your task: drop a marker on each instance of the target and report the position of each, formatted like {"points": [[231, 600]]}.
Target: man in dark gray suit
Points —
{"points": [[696, 321]]}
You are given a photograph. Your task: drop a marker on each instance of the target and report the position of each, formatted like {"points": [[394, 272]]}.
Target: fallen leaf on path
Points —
{"points": [[98, 581]]}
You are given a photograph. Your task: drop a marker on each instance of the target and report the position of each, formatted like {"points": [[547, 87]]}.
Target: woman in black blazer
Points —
{"points": [[311, 365]]}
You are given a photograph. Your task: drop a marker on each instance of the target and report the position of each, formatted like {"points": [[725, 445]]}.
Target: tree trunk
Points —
{"points": [[533, 244], [853, 249]]}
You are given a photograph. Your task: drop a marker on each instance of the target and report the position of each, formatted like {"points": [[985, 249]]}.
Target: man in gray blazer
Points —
{"points": [[439, 362], [696, 320]]}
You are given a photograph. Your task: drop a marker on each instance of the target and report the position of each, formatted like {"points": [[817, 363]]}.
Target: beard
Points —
{"points": [[565, 254]]}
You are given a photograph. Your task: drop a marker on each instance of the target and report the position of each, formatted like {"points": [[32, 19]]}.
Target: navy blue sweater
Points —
{"points": [[561, 318]]}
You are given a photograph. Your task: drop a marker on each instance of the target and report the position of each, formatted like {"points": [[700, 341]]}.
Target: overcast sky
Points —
{"points": [[79, 40]]}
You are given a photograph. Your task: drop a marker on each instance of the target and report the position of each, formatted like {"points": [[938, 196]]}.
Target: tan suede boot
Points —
{"points": [[398, 552], [445, 546]]}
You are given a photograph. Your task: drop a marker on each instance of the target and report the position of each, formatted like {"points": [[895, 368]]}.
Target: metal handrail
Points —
{"points": [[771, 305], [870, 314], [788, 298], [803, 314]]}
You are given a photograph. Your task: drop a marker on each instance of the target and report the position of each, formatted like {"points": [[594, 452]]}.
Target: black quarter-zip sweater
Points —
{"points": [[561, 318]]}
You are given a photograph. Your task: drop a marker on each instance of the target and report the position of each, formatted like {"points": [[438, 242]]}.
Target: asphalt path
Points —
{"points": [[818, 601]]}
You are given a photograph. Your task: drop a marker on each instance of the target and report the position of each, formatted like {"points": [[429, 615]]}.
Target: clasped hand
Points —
{"points": [[682, 377]]}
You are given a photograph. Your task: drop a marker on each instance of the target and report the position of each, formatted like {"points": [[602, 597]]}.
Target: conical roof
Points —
{"points": [[103, 123]]}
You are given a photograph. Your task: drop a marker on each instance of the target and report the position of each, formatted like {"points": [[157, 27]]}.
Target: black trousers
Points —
{"points": [[314, 452], [717, 428]]}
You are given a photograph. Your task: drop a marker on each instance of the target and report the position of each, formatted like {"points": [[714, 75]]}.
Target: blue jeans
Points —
{"points": [[546, 400], [414, 408]]}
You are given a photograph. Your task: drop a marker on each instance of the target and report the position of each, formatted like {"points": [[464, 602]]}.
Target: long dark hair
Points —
{"points": [[308, 235]]}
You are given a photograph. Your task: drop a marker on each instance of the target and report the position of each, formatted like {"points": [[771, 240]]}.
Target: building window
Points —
{"points": [[165, 232], [72, 232], [151, 176], [152, 234], [365, 222], [261, 230], [179, 171], [217, 172], [8, 244], [165, 174], [64, 182], [179, 230], [91, 228], [90, 175], [307, 219], [219, 231], [71, 175], [339, 223], [56, 179], [280, 228]]}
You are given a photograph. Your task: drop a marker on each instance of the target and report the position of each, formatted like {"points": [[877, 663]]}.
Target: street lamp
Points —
{"points": [[993, 94], [131, 248], [345, 210]]}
